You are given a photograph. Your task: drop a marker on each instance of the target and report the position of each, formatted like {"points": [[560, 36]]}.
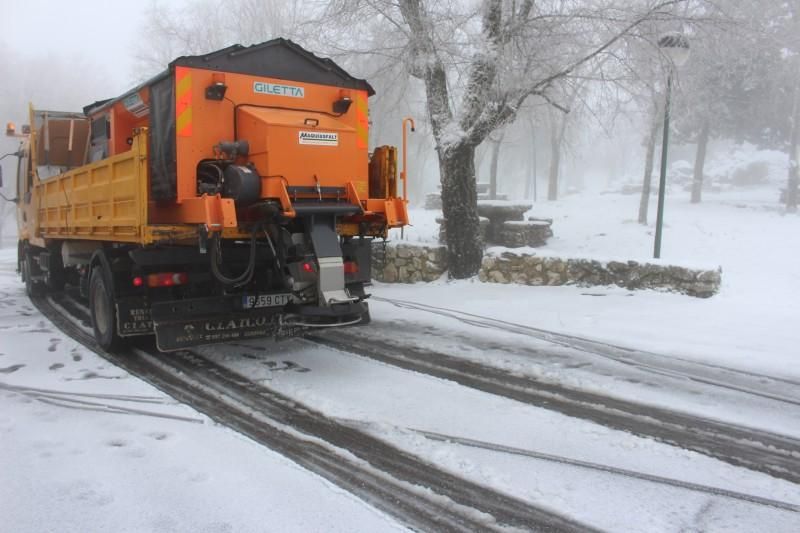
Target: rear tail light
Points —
{"points": [[164, 279], [308, 267], [138, 281], [350, 267]]}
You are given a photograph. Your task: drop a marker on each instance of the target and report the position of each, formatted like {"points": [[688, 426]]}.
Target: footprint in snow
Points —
{"points": [[117, 443], [94, 375], [287, 366], [75, 355], [53, 345], [56, 366], [11, 369], [41, 327], [158, 435]]}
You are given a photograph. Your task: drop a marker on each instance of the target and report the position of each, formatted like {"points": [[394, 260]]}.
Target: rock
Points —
{"points": [[403, 275], [497, 277], [710, 276], [519, 277], [390, 274], [404, 251]]}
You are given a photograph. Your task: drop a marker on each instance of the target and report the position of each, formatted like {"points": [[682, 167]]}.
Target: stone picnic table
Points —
{"points": [[503, 223], [499, 212]]}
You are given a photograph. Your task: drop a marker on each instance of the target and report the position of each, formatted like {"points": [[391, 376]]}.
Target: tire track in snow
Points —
{"points": [[414, 491], [761, 451], [743, 381]]}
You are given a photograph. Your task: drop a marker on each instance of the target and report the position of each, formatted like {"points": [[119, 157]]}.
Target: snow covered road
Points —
{"points": [[134, 460], [394, 402], [70, 419]]}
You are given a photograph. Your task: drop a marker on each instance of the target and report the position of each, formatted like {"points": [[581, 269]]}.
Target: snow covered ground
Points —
{"points": [[84, 446], [751, 324]]}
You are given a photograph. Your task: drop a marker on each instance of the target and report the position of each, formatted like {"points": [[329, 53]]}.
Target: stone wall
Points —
{"points": [[410, 263], [407, 263], [510, 267]]}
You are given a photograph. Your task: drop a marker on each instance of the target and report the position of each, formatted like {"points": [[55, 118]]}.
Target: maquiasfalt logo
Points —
{"points": [[319, 138]]}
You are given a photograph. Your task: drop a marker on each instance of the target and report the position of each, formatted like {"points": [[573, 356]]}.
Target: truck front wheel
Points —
{"points": [[101, 305], [32, 287]]}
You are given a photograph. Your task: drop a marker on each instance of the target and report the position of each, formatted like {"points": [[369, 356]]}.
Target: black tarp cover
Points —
{"points": [[163, 162], [278, 58]]}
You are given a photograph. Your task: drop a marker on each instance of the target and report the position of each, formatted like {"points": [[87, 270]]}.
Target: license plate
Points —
{"points": [[255, 301]]}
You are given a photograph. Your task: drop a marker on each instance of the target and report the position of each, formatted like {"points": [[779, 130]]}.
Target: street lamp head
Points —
{"points": [[675, 46]]}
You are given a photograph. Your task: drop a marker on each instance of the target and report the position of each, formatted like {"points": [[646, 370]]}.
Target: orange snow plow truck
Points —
{"points": [[232, 196]]}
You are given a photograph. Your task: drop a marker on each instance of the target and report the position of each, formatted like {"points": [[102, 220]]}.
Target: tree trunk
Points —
{"points": [[644, 201], [530, 183], [700, 162], [558, 133], [792, 182], [496, 144], [460, 210]]}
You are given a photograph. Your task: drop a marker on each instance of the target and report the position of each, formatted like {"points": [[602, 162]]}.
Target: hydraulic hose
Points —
{"points": [[216, 261]]}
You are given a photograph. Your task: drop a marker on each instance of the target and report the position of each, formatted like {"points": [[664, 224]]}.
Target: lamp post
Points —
{"points": [[675, 46]]}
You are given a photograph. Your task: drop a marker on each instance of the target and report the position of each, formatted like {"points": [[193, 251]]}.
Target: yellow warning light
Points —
{"points": [[11, 130]]}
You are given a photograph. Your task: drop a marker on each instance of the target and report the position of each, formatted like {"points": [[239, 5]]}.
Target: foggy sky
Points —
{"points": [[102, 31]]}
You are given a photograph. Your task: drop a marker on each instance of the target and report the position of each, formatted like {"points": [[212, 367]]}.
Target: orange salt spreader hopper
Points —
{"points": [[241, 131]]}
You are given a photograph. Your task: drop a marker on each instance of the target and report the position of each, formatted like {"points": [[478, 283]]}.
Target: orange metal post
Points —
{"points": [[404, 172]]}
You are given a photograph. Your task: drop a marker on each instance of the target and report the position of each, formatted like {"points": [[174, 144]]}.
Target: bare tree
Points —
{"points": [[656, 121], [520, 50]]}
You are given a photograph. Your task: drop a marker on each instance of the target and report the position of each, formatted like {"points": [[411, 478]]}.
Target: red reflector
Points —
{"points": [[167, 279], [138, 281], [350, 267], [308, 267]]}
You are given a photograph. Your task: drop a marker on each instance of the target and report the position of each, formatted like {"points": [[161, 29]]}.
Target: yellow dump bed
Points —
{"points": [[106, 200]]}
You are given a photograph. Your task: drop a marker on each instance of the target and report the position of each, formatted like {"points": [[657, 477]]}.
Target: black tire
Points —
{"points": [[56, 276], [365, 318], [103, 310], [32, 288]]}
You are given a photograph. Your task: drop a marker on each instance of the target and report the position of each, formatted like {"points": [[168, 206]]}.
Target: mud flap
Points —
{"points": [[180, 334], [133, 317]]}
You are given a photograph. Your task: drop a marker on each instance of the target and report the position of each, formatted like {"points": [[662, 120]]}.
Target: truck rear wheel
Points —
{"points": [[102, 308]]}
